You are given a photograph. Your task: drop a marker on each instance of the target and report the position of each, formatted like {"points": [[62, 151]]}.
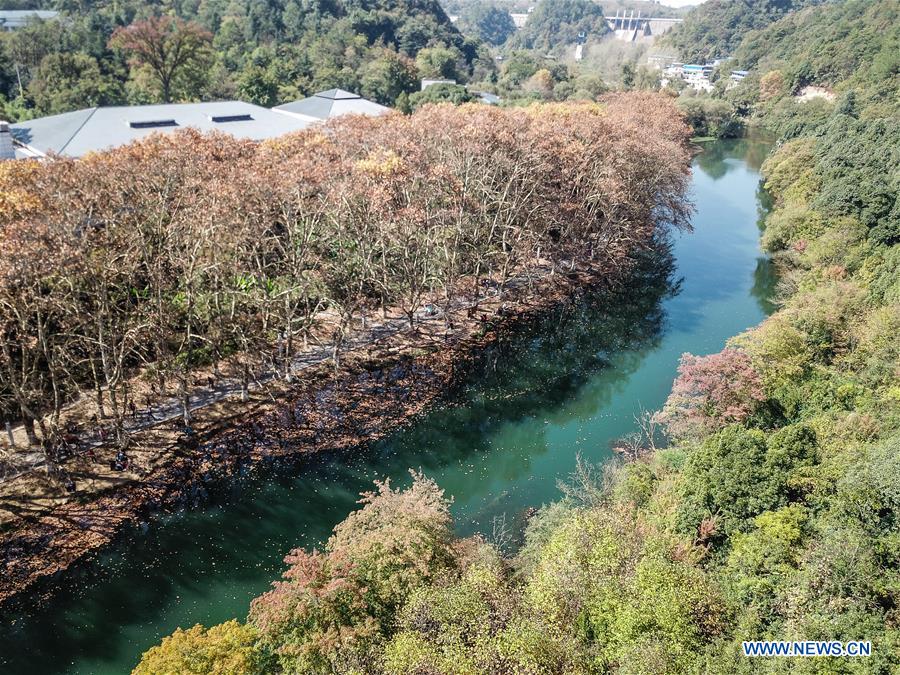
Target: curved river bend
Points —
{"points": [[571, 385]]}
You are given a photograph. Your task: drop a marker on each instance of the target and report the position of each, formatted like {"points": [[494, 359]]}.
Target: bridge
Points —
{"points": [[631, 28]]}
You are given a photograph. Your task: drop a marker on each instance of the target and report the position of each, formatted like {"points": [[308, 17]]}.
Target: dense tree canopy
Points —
{"points": [[557, 23], [856, 41], [715, 28], [490, 23], [849, 160], [771, 510], [265, 51], [175, 53], [441, 93]]}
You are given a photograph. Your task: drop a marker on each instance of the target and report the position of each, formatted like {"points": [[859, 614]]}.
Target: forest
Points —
{"points": [[147, 262], [553, 24], [269, 52], [264, 52], [715, 28], [761, 502], [845, 49]]}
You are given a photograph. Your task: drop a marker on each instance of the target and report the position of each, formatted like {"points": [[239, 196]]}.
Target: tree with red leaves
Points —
{"points": [[712, 392]]}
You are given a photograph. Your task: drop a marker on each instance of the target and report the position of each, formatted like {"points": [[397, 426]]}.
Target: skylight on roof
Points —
{"points": [[220, 119], [152, 124]]}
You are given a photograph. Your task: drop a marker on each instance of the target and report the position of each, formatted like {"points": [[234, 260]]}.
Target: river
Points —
{"points": [[569, 386]]}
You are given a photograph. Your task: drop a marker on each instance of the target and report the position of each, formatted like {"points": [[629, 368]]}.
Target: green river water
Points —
{"points": [[570, 385]]}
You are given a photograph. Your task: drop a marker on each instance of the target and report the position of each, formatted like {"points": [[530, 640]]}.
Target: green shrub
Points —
{"points": [[636, 483], [761, 561], [791, 224], [738, 474], [230, 648]]}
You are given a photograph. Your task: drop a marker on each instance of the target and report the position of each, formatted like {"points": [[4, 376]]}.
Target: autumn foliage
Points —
{"points": [[332, 605], [185, 250], [711, 392], [225, 649], [172, 50]]}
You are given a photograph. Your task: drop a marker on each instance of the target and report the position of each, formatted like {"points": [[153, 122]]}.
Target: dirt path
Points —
{"points": [[171, 408]]}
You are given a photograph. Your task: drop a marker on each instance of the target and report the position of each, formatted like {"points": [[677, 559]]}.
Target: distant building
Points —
{"points": [[738, 75], [697, 70], [428, 83], [13, 19], [77, 133], [661, 61], [332, 103], [695, 75]]}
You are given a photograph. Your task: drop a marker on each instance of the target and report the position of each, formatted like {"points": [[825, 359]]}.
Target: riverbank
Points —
{"points": [[378, 388]]}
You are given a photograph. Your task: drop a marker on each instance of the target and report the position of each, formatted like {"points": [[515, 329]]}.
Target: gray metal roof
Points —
{"points": [[76, 133], [337, 94], [16, 18], [332, 103]]}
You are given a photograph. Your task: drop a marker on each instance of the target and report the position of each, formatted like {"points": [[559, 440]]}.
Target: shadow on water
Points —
{"points": [[765, 280], [567, 384]]}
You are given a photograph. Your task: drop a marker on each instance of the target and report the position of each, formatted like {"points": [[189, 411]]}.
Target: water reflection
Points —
{"points": [[720, 157], [765, 279]]}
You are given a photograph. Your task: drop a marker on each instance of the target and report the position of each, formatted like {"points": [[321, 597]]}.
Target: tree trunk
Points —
{"points": [[289, 357], [98, 390], [185, 403], [335, 355], [28, 423]]}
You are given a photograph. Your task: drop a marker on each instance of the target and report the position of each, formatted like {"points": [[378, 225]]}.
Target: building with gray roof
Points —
{"points": [[16, 18], [77, 133], [332, 103]]}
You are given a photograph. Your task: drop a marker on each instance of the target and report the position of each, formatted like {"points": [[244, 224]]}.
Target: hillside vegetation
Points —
{"points": [[264, 52], [556, 23], [715, 28], [853, 45]]}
